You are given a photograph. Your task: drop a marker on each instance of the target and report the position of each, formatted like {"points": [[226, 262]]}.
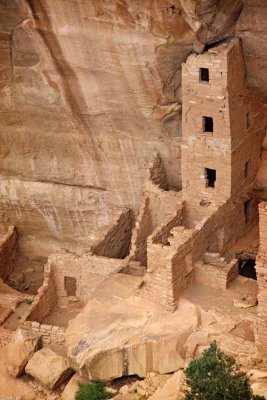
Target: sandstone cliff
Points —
{"points": [[89, 91]]}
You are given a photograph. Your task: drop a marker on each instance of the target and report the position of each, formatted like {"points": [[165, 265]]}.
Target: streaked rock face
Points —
{"points": [[89, 91]]}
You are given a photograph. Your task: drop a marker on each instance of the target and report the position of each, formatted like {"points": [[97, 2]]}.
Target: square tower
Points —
{"points": [[220, 140]]}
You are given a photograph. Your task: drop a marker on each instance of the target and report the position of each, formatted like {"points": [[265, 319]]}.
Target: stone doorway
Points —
{"points": [[247, 268]]}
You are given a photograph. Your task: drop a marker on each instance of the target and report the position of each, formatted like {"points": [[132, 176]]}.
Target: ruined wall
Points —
{"points": [[142, 229], [46, 298], [170, 267], [261, 270], [8, 252], [49, 334], [116, 242], [88, 271]]}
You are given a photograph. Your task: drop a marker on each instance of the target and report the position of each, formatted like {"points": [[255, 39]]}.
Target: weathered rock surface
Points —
{"points": [[171, 390], [89, 92], [72, 387], [50, 369], [120, 334], [20, 350]]}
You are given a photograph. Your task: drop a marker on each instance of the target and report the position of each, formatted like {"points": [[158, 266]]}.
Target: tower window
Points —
{"points": [[248, 120], [204, 75], [207, 124], [246, 209], [247, 168], [210, 175]]}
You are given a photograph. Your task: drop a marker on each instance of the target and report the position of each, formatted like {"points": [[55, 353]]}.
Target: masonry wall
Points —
{"points": [[170, 267], [226, 99], [46, 298], [8, 252], [49, 334], [158, 208], [202, 150], [142, 229], [117, 240], [88, 271], [261, 269]]}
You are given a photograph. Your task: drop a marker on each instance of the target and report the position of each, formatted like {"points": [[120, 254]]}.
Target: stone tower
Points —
{"points": [[221, 143]]}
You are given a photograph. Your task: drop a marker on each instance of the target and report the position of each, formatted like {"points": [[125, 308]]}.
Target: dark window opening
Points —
{"points": [[247, 268], [207, 124], [247, 168], [70, 285], [204, 74], [210, 175], [246, 209], [248, 120]]}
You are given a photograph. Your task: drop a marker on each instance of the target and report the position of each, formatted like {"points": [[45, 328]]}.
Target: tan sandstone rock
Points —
{"points": [[171, 390], [120, 334], [72, 387], [50, 369], [20, 350]]}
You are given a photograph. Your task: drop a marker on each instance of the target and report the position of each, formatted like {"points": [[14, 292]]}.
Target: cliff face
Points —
{"points": [[89, 91]]}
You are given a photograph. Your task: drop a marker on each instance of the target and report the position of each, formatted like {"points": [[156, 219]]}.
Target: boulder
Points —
{"points": [[50, 369], [21, 348], [106, 341], [72, 387], [171, 390]]}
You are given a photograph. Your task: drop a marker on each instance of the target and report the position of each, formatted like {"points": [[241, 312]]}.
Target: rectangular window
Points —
{"points": [[247, 168], [70, 285], [207, 123], [248, 120], [210, 175], [246, 210], [204, 75]]}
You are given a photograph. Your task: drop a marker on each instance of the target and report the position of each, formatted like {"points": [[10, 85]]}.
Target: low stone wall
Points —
{"points": [[215, 275], [46, 298], [8, 251], [117, 240], [49, 334]]}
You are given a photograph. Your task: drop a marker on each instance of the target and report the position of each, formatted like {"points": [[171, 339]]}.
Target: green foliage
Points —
{"points": [[215, 376], [94, 391]]}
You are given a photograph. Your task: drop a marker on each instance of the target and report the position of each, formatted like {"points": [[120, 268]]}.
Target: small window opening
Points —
{"points": [[247, 168], [246, 209], [70, 285], [247, 268], [207, 124], [204, 75], [210, 175], [248, 120]]}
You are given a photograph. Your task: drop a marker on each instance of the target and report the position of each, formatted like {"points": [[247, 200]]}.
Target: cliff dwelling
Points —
{"points": [[132, 200]]}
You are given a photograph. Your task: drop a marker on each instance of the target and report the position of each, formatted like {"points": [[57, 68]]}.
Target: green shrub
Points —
{"points": [[215, 376], [94, 391]]}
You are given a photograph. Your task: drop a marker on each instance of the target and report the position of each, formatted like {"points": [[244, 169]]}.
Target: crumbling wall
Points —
{"points": [[8, 251], [261, 270], [46, 298], [170, 266], [49, 334], [142, 229], [88, 271], [215, 271], [116, 242], [157, 173]]}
